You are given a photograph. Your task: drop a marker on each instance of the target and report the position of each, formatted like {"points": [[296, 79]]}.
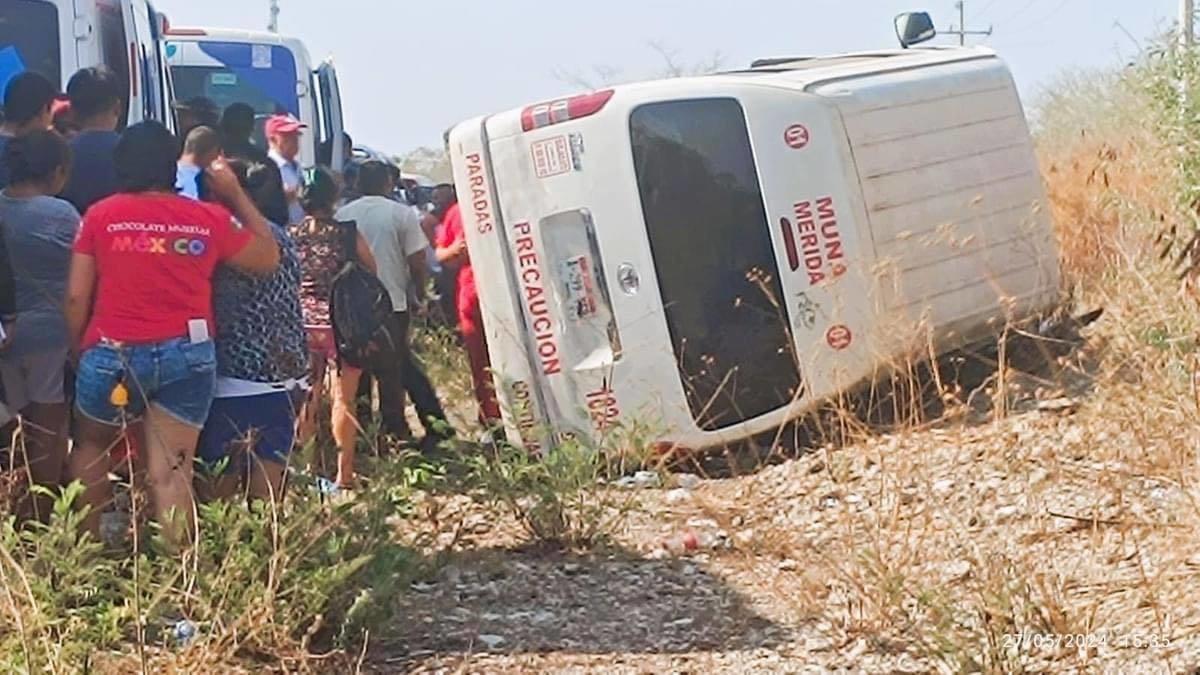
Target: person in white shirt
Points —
{"points": [[200, 150], [283, 133], [393, 232]]}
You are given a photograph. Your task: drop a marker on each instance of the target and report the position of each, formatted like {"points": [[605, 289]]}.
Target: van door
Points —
{"points": [[148, 98], [825, 261], [332, 135]]}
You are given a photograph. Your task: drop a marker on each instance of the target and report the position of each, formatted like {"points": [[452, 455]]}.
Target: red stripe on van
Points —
{"points": [[789, 243]]}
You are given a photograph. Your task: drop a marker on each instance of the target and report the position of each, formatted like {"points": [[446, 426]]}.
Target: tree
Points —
{"points": [[431, 162], [435, 163], [671, 65]]}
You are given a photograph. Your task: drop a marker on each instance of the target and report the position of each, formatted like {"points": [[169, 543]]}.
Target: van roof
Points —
{"points": [[792, 72], [808, 70], [205, 34]]}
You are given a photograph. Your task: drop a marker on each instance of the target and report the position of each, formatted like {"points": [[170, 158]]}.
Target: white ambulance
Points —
{"points": [[711, 257], [58, 38], [271, 73]]}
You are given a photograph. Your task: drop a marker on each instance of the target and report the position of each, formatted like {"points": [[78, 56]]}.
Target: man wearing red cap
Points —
{"points": [[283, 134]]}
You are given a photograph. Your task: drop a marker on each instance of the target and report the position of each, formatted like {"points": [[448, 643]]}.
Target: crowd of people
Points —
{"points": [[168, 303]]}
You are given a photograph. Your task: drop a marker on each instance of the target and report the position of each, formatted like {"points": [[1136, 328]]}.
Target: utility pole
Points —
{"points": [[1187, 22], [962, 31], [273, 26]]}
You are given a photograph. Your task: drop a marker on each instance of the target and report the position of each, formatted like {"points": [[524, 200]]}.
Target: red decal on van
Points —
{"points": [[537, 304], [820, 240], [796, 136], [839, 337], [525, 417], [789, 243], [603, 408], [551, 157], [481, 204]]}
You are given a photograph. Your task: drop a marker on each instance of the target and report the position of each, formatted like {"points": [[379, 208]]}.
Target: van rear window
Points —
{"points": [[711, 242], [29, 39]]}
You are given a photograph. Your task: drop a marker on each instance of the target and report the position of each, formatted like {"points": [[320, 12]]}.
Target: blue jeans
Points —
{"points": [[176, 376]]}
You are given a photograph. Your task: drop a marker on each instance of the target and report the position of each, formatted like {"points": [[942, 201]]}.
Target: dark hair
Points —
{"points": [[201, 141], [35, 157], [26, 96], [373, 177], [146, 158], [93, 91], [237, 122], [264, 185], [318, 190]]}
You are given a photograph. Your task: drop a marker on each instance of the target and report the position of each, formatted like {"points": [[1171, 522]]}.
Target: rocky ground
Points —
{"points": [[920, 551]]}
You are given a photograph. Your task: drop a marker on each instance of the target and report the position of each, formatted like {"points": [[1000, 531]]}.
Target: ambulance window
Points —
{"points": [[709, 235], [29, 39], [114, 46]]}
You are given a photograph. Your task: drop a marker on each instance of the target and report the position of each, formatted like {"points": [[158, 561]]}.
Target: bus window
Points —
{"points": [[115, 47], [261, 76], [710, 238], [29, 40]]}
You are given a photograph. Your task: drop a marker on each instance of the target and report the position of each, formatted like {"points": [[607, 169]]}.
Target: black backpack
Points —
{"points": [[360, 309]]}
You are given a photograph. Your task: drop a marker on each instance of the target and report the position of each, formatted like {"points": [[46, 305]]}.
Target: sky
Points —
{"points": [[410, 70]]}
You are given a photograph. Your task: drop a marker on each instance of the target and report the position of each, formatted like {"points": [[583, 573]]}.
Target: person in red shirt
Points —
{"points": [[139, 313], [452, 251]]}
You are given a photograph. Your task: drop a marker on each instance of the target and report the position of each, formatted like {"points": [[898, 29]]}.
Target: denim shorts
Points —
{"points": [[176, 376]]}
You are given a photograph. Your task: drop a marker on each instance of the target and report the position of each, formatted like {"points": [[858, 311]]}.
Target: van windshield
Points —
{"points": [[262, 76], [710, 238], [29, 39]]}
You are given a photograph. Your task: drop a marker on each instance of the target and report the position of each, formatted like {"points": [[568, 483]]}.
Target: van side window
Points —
{"points": [[708, 231], [29, 28], [114, 45]]}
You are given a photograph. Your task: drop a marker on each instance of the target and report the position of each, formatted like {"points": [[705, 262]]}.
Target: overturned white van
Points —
{"points": [[713, 256]]}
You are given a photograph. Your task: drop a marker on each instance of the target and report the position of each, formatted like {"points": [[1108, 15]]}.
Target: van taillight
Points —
{"points": [[564, 110]]}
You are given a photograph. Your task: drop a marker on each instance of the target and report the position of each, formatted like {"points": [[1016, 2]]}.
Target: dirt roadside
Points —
{"points": [[1042, 542]]}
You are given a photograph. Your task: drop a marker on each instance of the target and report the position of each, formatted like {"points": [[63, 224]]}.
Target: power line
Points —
{"points": [[983, 11], [1024, 8], [962, 31], [1057, 8]]}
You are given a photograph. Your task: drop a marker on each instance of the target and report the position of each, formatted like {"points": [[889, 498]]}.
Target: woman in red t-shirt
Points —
{"points": [[139, 314]]}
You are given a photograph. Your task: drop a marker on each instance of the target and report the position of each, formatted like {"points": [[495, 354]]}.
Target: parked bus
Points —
{"points": [[271, 73], [714, 256], [58, 38]]}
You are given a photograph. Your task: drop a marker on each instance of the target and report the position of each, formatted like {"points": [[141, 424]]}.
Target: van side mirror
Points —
{"points": [[913, 28]]}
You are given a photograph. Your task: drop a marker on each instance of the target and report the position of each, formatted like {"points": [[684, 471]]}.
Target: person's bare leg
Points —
{"points": [[210, 488], [266, 480], [89, 463], [170, 447], [345, 426], [44, 431], [309, 424]]}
